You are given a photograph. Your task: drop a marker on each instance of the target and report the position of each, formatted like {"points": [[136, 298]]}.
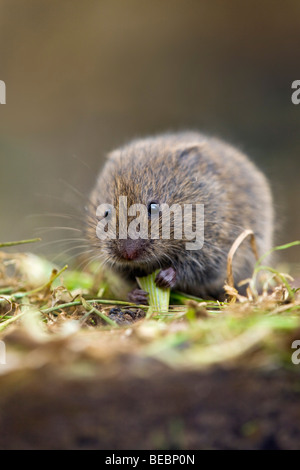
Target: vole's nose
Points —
{"points": [[131, 249]]}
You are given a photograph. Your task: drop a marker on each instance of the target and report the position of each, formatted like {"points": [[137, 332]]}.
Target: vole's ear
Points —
{"points": [[188, 151], [189, 157]]}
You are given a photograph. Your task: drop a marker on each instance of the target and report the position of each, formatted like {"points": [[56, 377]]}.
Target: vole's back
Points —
{"points": [[191, 168]]}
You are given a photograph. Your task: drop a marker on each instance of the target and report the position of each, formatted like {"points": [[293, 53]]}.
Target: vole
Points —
{"points": [[183, 168]]}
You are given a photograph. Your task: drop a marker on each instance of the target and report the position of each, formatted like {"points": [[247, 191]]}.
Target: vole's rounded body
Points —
{"points": [[186, 168]]}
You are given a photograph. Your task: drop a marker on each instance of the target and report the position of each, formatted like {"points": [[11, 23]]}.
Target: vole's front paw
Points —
{"points": [[138, 296], [166, 278]]}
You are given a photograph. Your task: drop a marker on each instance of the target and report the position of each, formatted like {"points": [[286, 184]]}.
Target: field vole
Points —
{"points": [[184, 168]]}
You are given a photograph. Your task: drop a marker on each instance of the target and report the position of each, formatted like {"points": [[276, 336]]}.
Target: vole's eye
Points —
{"points": [[153, 208], [103, 212]]}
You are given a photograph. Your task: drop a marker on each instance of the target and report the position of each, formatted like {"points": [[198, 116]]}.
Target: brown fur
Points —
{"points": [[188, 168]]}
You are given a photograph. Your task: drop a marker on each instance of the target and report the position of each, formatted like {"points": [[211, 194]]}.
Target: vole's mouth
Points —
{"points": [[140, 262], [131, 251], [132, 256], [143, 262]]}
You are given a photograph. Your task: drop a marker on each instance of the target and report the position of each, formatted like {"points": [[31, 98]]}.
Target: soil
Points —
{"points": [[83, 400]]}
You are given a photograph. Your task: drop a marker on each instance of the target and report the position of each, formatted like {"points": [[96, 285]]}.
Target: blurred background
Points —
{"points": [[83, 77]]}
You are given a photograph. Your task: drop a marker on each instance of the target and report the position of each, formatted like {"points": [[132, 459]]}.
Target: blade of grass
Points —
{"points": [[278, 274], [91, 310], [5, 323], [20, 242], [99, 301], [159, 298], [276, 248], [19, 295]]}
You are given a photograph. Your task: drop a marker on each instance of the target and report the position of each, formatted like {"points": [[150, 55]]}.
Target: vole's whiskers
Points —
{"points": [[87, 260], [76, 247], [43, 230], [218, 221], [75, 190], [217, 247], [68, 216], [64, 240], [195, 260]]}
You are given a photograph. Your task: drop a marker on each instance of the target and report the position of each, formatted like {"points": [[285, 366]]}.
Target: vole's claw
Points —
{"points": [[138, 296], [166, 278]]}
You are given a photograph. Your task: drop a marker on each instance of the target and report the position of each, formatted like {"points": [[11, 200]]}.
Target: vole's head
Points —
{"points": [[146, 173]]}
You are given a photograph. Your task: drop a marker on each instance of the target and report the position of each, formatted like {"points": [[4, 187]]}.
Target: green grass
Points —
{"points": [[191, 332]]}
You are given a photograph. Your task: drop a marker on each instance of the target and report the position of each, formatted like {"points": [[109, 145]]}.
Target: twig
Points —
{"points": [[233, 249], [53, 276]]}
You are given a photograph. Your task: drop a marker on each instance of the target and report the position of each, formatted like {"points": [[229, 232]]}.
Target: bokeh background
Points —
{"points": [[85, 76]]}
